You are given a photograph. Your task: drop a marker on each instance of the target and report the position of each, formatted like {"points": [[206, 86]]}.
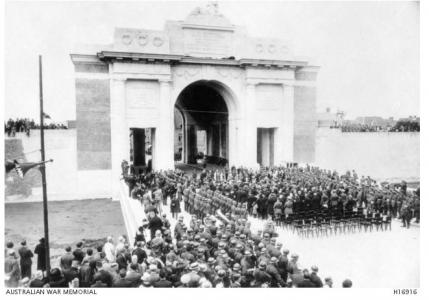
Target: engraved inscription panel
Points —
{"points": [[142, 102], [269, 105], [211, 42], [269, 97]]}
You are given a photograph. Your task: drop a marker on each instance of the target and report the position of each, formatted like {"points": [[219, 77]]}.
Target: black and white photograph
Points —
{"points": [[212, 144]]}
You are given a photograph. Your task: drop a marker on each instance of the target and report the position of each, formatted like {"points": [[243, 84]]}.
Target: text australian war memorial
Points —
{"points": [[200, 86]]}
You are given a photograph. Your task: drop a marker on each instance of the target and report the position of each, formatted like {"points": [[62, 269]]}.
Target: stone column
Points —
{"points": [[250, 155], [287, 135], [118, 132], [164, 156]]}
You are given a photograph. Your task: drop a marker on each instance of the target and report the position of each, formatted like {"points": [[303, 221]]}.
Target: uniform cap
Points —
{"points": [[194, 266]]}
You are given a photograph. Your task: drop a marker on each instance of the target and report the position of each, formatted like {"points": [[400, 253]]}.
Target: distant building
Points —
{"points": [[375, 121], [330, 119]]}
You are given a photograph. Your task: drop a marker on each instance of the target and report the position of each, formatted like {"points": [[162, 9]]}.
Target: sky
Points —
{"points": [[368, 51]]}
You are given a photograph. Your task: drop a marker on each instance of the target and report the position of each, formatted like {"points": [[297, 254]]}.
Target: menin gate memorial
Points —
{"points": [[200, 85]]}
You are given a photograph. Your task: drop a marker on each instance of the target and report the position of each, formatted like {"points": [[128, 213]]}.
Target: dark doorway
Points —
{"points": [[265, 146], [205, 123], [141, 141]]}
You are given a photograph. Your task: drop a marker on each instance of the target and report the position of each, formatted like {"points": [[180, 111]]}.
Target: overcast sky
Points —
{"points": [[368, 51]]}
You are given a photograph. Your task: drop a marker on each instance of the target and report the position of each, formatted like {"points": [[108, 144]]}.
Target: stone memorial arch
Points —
{"points": [[253, 100]]}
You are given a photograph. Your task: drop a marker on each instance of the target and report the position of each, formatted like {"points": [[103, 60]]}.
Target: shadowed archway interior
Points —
{"points": [[202, 128]]}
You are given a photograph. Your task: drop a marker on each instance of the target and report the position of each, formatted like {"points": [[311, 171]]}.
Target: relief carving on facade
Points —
{"points": [[187, 72], [228, 72]]}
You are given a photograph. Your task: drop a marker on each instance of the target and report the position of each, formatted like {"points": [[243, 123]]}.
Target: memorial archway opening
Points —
{"points": [[201, 124]]}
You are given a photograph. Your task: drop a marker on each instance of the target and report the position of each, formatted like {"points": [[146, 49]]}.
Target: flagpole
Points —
{"points": [[43, 171]]}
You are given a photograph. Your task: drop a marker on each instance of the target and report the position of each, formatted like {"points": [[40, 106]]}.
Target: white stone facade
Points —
{"points": [[145, 71]]}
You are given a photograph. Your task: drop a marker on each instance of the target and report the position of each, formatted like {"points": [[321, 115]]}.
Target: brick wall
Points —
{"points": [[93, 124]]}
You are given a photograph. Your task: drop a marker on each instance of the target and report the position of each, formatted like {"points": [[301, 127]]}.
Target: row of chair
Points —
{"points": [[324, 224]]}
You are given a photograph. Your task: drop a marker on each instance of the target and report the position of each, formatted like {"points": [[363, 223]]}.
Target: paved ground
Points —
{"points": [[69, 222]]}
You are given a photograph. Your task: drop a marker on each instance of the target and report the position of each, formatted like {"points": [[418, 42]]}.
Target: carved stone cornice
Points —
{"points": [[175, 59]]}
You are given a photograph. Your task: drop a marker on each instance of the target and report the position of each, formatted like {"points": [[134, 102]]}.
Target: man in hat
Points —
{"points": [[260, 274], [133, 275], [283, 264], [179, 229], [191, 279], [328, 282], [347, 283], [315, 278], [305, 282], [273, 271], [71, 272], [122, 282], [155, 223], [25, 259], [41, 256], [66, 259], [140, 252], [162, 282], [78, 252], [11, 269]]}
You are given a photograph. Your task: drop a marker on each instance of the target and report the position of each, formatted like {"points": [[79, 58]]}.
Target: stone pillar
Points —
{"points": [[287, 134], [250, 155], [118, 132], [164, 155]]}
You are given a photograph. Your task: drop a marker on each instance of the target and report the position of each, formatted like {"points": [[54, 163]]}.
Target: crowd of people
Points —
{"points": [[400, 126], [279, 192], [216, 247], [204, 253], [12, 127], [363, 128]]}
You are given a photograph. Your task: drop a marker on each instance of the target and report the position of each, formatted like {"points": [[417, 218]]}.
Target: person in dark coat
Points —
{"points": [[87, 273], [155, 223], [72, 272], [283, 264], [41, 255], [140, 252], [122, 282], [56, 280], [25, 261], [314, 278], [306, 282], [134, 276], [163, 282], [273, 271], [175, 204], [121, 260], [139, 236], [98, 283], [78, 252]]}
